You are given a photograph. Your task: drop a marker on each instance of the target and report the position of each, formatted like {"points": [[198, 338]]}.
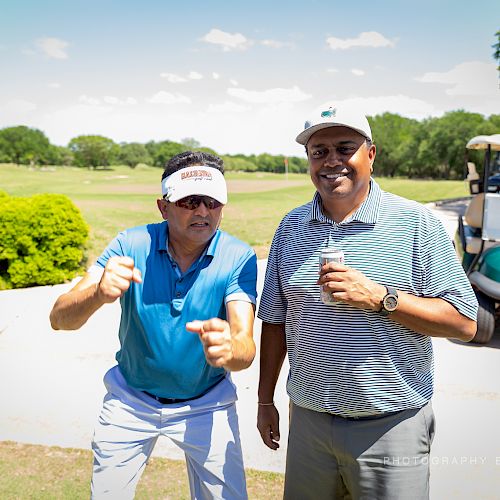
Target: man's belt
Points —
{"points": [[168, 401], [172, 401]]}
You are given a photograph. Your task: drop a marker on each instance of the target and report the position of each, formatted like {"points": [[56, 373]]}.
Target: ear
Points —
{"points": [[162, 207], [372, 152]]}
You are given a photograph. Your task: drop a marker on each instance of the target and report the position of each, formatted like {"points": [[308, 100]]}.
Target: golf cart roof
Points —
{"points": [[482, 142]]}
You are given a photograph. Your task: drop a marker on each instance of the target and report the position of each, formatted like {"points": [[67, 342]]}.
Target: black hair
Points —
{"points": [[190, 159]]}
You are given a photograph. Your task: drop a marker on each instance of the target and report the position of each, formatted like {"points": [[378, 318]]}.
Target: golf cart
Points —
{"points": [[478, 235]]}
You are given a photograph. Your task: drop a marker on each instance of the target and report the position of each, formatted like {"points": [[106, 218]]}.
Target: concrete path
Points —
{"points": [[51, 390]]}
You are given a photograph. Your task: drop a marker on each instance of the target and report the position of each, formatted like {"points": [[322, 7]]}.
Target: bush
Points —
{"points": [[41, 240]]}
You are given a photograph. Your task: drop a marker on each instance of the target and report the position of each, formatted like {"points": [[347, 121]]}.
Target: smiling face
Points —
{"points": [[194, 228], [340, 164]]}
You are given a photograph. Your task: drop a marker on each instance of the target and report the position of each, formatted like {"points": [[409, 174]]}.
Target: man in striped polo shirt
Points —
{"points": [[361, 368]]}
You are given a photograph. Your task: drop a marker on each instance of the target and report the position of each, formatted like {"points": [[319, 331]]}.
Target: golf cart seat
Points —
{"points": [[477, 231], [472, 174], [474, 212], [475, 183]]}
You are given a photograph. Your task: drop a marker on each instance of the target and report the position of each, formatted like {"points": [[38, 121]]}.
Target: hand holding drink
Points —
{"points": [[341, 283], [329, 255]]}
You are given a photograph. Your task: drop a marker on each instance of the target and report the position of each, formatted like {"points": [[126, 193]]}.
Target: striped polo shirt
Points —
{"points": [[345, 360]]}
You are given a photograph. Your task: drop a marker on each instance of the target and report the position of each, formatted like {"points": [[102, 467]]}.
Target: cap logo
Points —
{"points": [[330, 113], [198, 175]]}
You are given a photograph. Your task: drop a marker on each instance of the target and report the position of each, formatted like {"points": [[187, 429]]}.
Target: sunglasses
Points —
{"points": [[194, 201]]}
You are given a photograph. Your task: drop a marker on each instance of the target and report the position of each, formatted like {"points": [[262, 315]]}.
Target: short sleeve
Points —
{"points": [[444, 276], [243, 282], [273, 303], [115, 249]]}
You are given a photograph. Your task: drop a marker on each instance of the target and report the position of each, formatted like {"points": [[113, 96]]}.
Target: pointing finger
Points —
{"points": [[136, 275], [195, 326]]}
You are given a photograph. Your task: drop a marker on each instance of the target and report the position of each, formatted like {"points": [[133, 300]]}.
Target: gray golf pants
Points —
{"points": [[330, 457]]}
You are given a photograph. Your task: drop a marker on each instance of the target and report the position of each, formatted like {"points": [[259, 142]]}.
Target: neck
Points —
{"points": [[183, 253], [340, 209]]}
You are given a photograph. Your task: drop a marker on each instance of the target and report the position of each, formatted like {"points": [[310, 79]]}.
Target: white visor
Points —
{"points": [[200, 180]]}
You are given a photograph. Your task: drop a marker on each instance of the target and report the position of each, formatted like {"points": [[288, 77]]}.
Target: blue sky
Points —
{"points": [[238, 76]]}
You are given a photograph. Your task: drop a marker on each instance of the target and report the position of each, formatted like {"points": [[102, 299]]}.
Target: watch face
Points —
{"points": [[390, 303]]}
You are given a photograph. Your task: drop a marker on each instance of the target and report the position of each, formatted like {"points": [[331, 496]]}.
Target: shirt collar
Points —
{"points": [[366, 213]]}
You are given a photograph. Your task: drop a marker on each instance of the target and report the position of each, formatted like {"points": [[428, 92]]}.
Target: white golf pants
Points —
{"points": [[206, 429]]}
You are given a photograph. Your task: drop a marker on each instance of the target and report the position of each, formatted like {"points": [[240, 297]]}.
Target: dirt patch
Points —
{"points": [[132, 188], [233, 186], [97, 203], [240, 186]]}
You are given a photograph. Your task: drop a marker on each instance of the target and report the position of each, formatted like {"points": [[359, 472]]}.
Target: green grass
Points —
{"points": [[424, 191], [114, 199], [42, 472]]}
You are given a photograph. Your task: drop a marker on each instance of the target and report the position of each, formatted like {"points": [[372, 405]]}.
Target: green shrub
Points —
{"points": [[41, 240]]}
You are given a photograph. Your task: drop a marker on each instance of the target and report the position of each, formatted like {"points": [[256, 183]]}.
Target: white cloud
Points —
{"points": [[173, 78], [54, 85], [332, 70], [129, 101], [228, 41], [227, 107], [270, 96], [215, 76], [110, 99], [18, 111], [106, 100], [400, 104], [90, 101], [194, 75], [269, 129], [276, 44], [365, 39], [163, 97], [17, 107], [357, 72], [55, 48], [474, 78], [233, 82]]}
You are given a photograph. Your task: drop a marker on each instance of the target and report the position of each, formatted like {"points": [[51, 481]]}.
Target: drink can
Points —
{"points": [[329, 255]]}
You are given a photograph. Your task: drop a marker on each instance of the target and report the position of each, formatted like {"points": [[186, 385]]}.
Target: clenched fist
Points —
{"points": [[115, 281], [215, 335]]}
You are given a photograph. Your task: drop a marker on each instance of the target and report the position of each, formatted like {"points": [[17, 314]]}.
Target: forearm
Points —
{"points": [[433, 317], [240, 319], [272, 355], [73, 309], [243, 349]]}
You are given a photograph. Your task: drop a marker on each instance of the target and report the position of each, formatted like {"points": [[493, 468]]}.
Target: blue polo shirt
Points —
{"points": [[157, 354]]}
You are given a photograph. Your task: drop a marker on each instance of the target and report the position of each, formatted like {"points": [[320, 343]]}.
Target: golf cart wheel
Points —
{"points": [[485, 319]]}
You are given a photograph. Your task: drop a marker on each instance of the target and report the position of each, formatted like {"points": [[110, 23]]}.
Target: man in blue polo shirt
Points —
{"points": [[187, 292], [361, 366]]}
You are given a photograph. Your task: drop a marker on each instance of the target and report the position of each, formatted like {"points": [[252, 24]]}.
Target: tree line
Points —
{"points": [[431, 148]]}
